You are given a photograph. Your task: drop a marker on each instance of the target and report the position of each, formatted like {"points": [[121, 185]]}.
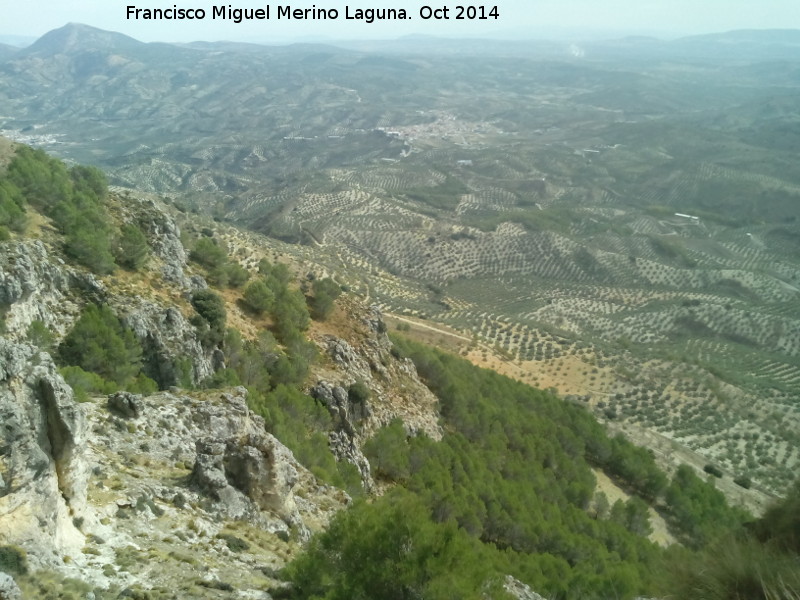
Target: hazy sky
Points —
{"points": [[520, 18]]}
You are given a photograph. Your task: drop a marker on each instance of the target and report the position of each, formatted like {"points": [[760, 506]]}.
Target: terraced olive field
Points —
{"points": [[574, 265], [624, 226]]}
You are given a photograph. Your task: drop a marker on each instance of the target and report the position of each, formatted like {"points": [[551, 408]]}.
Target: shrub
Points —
{"points": [[131, 248], [258, 296], [325, 291], [13, 560], [237, 275], [235, 544], [211, 310], [358, 392], [39, 335], [207, 253], [387, 452], [100, 344], [84, 383], [290, 315]]}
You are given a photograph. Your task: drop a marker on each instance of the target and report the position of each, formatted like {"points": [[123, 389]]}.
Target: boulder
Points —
{"points": [[8, 588], [125, 404]]}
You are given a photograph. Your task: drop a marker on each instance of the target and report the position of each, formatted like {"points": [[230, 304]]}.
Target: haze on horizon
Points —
{"points": [[519, 19]]}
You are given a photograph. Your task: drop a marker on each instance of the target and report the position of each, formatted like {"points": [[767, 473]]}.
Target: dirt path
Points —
{"points": [[426, 326], [613, 492]]}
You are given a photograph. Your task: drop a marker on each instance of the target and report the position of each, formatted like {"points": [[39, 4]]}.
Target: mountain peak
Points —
{"points": [[77, 36]]}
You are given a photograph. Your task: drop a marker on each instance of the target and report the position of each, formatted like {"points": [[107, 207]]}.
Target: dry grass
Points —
{"points": [[7, 149]]}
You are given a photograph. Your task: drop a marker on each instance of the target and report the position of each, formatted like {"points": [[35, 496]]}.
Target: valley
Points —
{"points": [[623, 230], [362, 251]]}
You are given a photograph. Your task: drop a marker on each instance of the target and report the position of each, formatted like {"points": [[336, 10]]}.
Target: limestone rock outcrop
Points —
{"points": [[238, 461], [521, 591], [9, 590], [42, 463], [126, 404], [396, 390], [172, 353], [35, 286], [165, 240]]}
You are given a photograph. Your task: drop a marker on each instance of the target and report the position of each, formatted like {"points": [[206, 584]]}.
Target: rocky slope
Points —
{"points": [[180, 493], [122, 491]]}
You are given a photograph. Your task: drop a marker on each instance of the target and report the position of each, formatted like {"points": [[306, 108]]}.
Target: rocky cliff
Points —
{"points": [[37, 285], [43, 471], [180, 493], [361, 353], [99, 489]]}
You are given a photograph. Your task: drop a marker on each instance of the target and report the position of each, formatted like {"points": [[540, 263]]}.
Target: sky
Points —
{"points": [[517, 19]]}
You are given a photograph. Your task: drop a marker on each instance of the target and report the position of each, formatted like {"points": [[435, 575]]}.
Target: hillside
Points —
{"points": [[428, 318], [161, 414], [520, 194], [122, 491]]}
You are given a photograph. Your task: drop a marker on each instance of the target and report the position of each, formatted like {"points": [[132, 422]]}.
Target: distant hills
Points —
{"points": [[521, 192], [762, 44], [7, 51]]}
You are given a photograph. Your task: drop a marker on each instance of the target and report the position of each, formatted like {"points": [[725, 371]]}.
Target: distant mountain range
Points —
{"points": [[521, 192], [753, 43]]}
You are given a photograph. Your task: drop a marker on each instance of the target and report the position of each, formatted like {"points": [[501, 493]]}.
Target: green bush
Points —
{"points": [[13, 560], [212, 316], [131, 248], [100, 344], [358, 392], [84, 383], [237, 275], [290, 315], [39, 335], [324, 293], [208, 253], [387, 452], [391, 550], [258, 297]]}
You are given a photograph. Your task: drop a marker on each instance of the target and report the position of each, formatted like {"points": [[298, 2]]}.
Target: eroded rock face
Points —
{"points": [[345, 440], [42, 432], [36, 287], [395, 390], [240, 462], [165, 240], [126, 404], [26, 268], [347, 447], [346, 414], [8, 588], [171, 350], [519, 590]]}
